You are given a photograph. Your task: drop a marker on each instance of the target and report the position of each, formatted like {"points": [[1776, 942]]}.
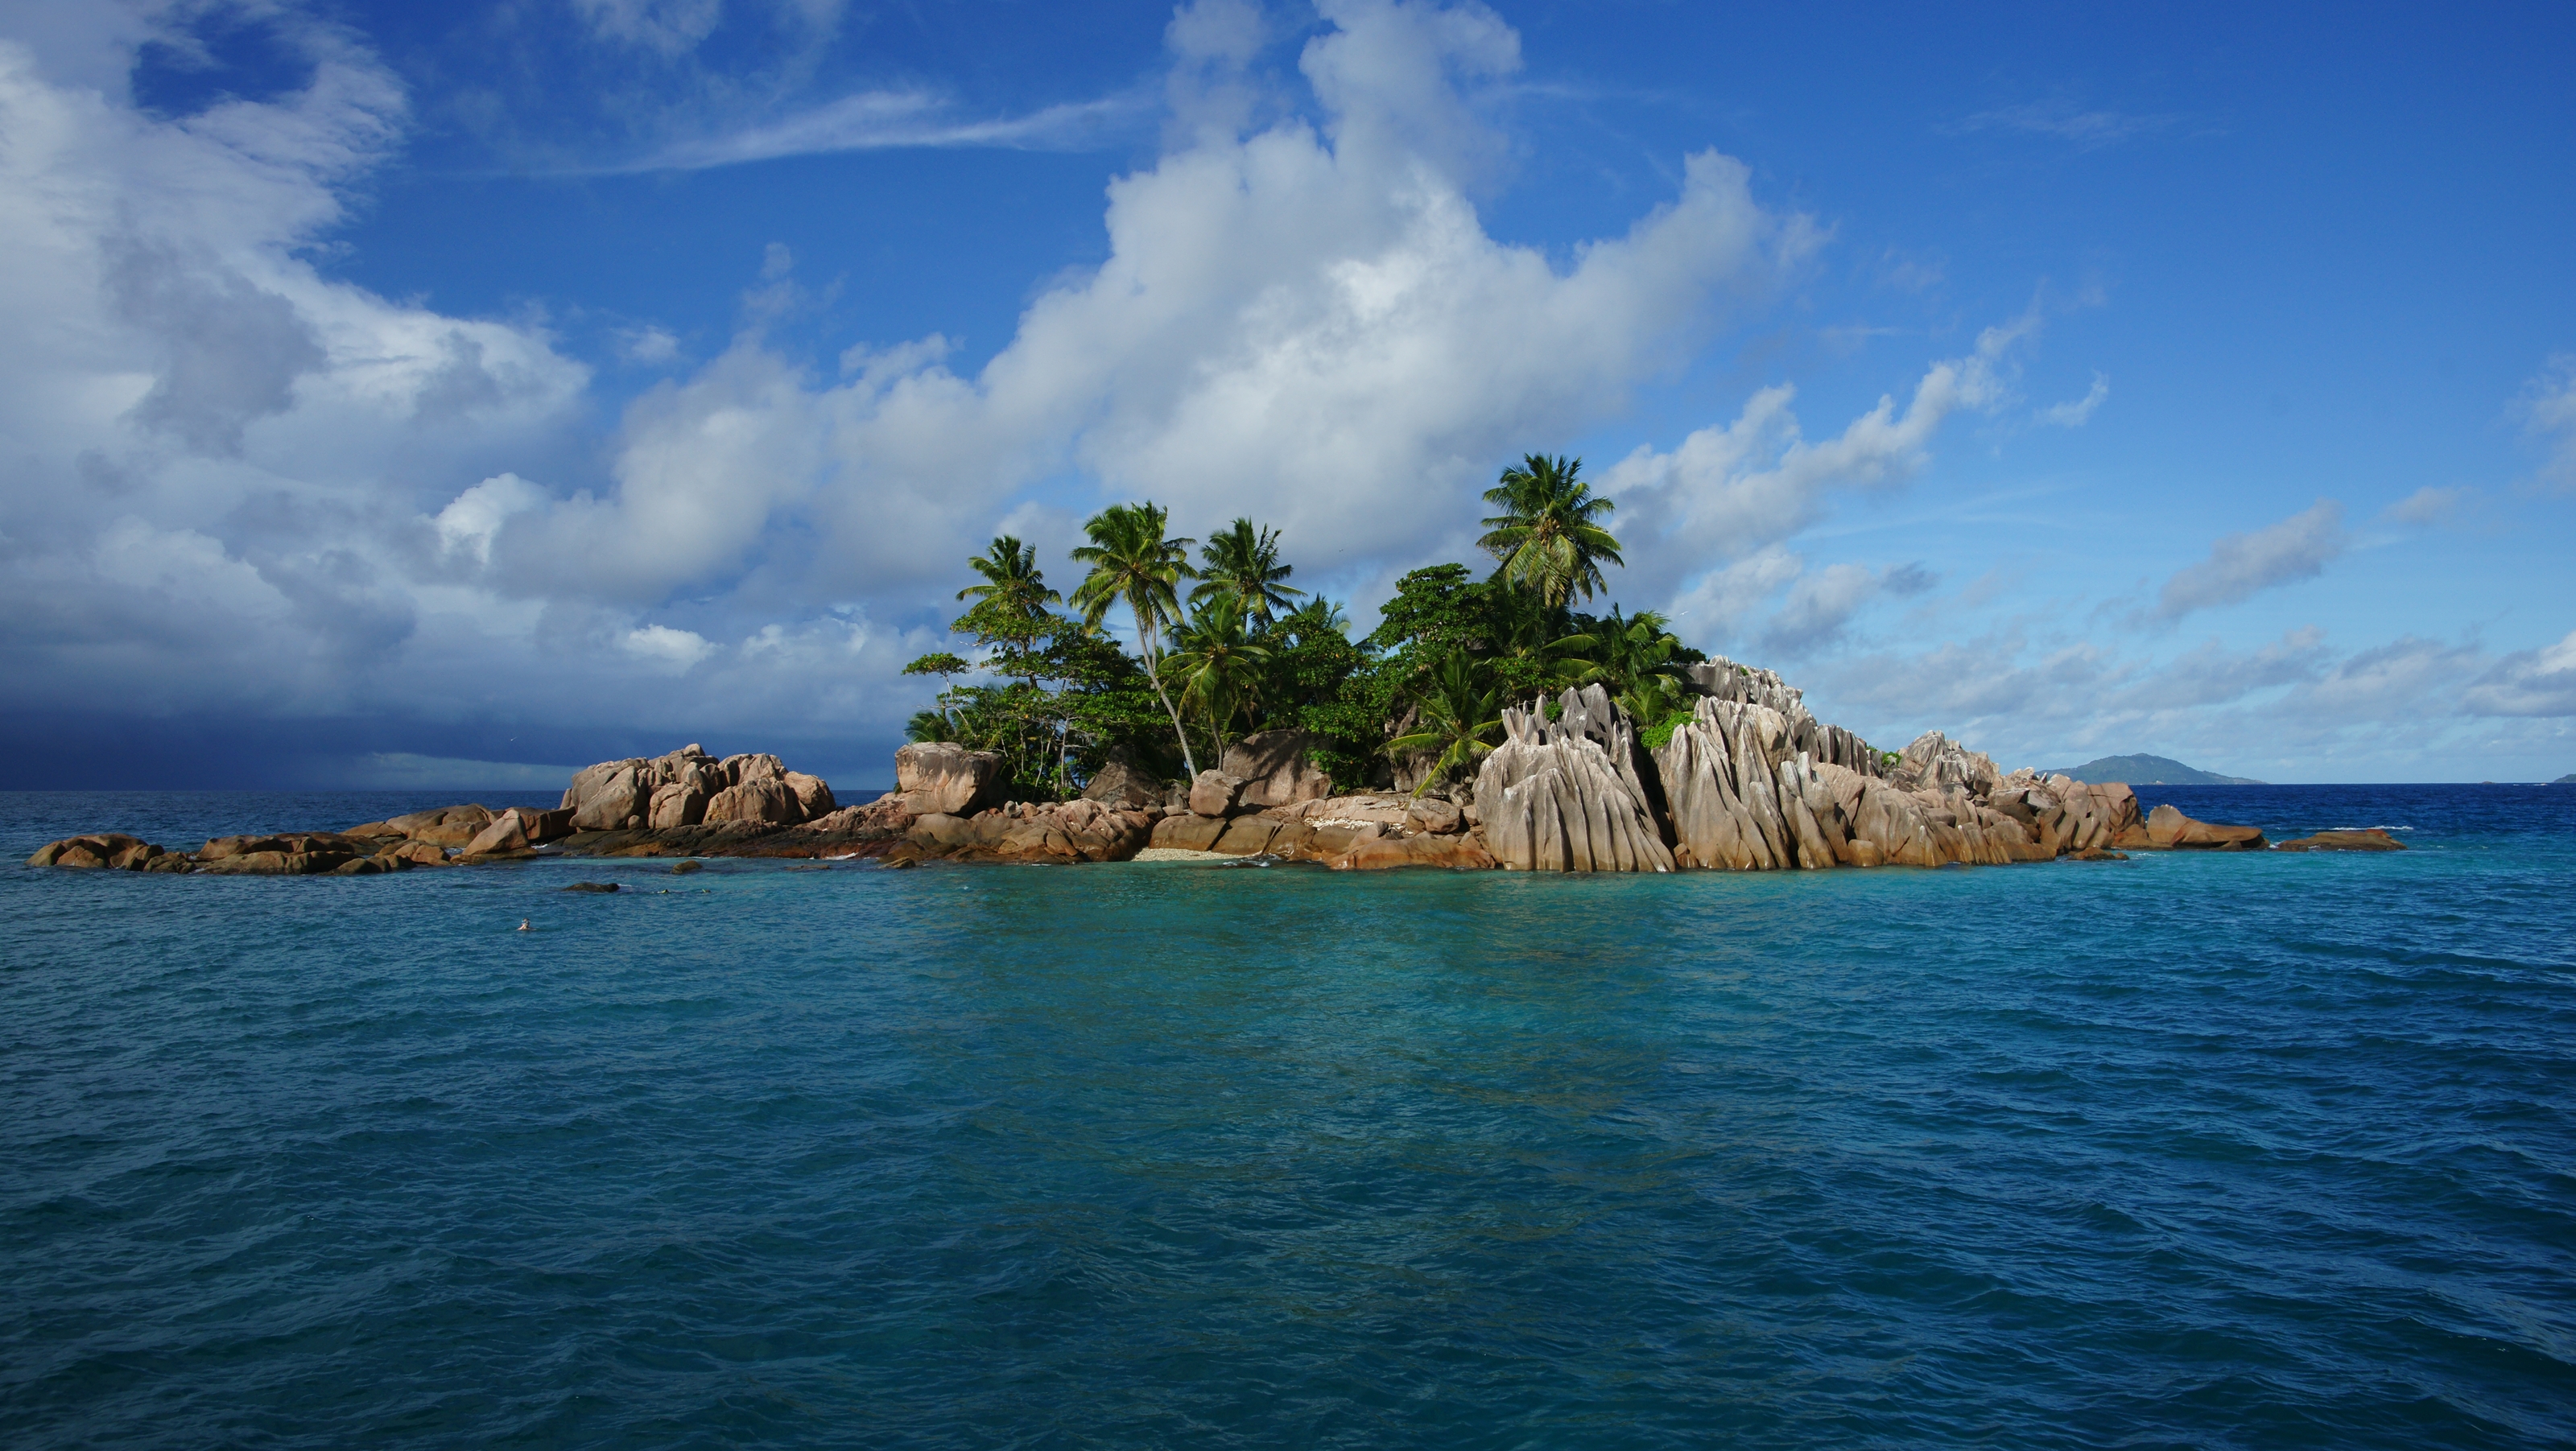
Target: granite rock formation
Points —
{"points": [[1564, 795], [942, 778], [1275, 770]]}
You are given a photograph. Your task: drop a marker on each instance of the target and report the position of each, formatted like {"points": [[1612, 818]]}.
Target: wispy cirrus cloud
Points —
{"points": [[2086, 127], [890, 120]]}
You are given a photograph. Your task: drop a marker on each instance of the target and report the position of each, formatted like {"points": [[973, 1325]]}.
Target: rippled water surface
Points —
{"points": [[2185, 1151]]}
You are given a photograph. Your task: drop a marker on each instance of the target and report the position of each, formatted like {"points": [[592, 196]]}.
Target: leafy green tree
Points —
{"points": [[947, 666], [1244, 562], [1010, 612], [1218, 662], [1548, 535], [1132, 560], [1460, 714]]}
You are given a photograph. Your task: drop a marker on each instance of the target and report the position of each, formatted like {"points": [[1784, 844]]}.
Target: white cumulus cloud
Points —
{"points": [[2241, 565]]}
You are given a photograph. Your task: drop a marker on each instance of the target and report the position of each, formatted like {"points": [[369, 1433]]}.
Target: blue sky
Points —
{"points": [[435, 396]]}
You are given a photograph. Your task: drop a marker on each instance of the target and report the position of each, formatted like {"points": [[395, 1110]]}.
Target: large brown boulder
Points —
{"points": [[677, 804], [1246, 836], [1274, 769], [942, 778], [765, 800], [611, 795], [508, 832], [1456, 853], [1216, 793], [446, 826], [2169, 829], [1189, 833], [1119, 784], [813, 795]]}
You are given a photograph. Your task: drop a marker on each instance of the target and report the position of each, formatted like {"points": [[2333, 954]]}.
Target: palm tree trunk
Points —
{"points": [[1145, 647]]}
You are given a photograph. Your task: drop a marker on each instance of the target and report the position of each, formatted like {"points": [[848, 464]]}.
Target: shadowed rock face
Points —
{"points": [[1564, 795], [1274, 769]]}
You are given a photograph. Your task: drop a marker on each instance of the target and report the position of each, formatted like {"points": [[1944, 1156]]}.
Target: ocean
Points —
{"points": [[2208, 1151]]}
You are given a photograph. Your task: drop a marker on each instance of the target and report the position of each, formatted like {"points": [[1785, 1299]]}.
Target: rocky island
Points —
{"points": [[1483, 724], [1751, 781]]}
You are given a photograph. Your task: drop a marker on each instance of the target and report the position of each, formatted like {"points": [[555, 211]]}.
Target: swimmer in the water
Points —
{"points": [[523, 924]]}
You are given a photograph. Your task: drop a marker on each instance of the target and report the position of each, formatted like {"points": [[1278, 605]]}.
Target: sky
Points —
{"points": [[445, 396]]}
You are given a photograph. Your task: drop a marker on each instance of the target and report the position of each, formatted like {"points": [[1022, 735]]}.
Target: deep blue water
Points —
{"points": [[2185, 1151]]}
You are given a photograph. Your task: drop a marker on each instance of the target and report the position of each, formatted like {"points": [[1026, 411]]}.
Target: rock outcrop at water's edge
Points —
{"points": [[1749, 781], [1564, 795]]}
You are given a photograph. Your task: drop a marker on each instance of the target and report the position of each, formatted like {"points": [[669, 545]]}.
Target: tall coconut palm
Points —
{"points": [[1011, 604], [1548, 536], [1217, 660], [1132, 560], [1460, 711], [1244, 562], [1013, 582]]}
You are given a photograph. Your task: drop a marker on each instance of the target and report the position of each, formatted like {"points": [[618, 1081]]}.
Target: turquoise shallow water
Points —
{"points": [[2187, 1151]]}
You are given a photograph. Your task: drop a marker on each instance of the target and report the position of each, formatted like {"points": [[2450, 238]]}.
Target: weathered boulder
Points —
{"points": [[761, 799], [1379, 809], [1455, 853], [753, 767], [1563, 795], [813, 795], [1942, 766], [1118, 783], [1719, 678], [1050, 832], [1216, 793], [1434, 816], [446, 826], [677, 804], [1189, 833], [611, 795], [1720, 777], [420, 854], [888, 814], [1275, 770], [944, 778], [2169, 829], [509, 831], [942, 830], [100, 849], [1246, 836], [2369, 839]]}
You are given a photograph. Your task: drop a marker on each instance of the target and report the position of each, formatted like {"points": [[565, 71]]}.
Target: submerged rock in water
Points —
{"points": [[2368, 839], [2168, 829], [592, 887]]}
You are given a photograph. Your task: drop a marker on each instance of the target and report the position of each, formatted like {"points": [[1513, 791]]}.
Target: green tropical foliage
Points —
{"points": [[1244, 562], [1548, 535], [1050, 690], [1133, 560], [1217, 660], [1460, 714]]}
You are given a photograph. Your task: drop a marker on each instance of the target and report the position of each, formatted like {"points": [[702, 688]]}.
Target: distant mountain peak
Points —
{"points": [[2150, 771]]}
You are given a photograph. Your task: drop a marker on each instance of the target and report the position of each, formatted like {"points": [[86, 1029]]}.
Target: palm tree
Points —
{"points": [[1460, 708], [1244, 563], [1218, 661], [1546, 536], [1132, 560], [1314, 620], [1012, 582]]}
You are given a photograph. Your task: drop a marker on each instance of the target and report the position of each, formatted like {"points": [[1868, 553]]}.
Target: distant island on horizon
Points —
{"points": [[2151, 771]]}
